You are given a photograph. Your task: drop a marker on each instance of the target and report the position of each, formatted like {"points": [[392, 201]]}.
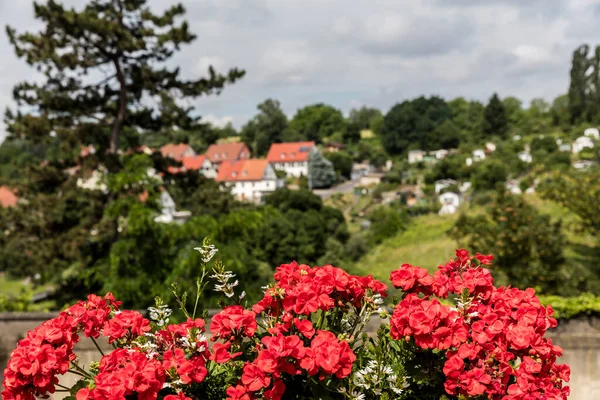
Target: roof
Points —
{"points": [[174, 151], [217, 153], [190, 163], [8, 198], [243, 170], [290, 152]]}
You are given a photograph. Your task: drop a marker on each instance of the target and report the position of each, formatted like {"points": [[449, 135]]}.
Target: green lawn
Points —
{"points": [[425, 243]]}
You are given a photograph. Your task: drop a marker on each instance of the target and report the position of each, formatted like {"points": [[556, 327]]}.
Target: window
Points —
{"points": [[234, 174], [224, 155], [282, 156], [292, 154], [216, 156]]}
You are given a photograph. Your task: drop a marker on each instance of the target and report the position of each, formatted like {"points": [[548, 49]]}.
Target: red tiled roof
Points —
{"points": [[190, 163], [290, 152], [218, 153], [175, 151], [8, 198], [243, 170]]}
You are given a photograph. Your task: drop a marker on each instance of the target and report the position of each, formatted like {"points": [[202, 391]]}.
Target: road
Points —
{"points": [[346, 187]]}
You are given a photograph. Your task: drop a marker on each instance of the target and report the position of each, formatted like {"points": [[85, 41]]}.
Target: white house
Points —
{"points": [[361, 169], [581, 143], [169, 213], [469, 161], [565, 147], [592, 133], [478, 155], [525, 156], [439, 154], [513, 186], [249, 180], [443, 184], [450, 202], [465, 186], [291, 157], [226, 152], [583, 164], [415, 156], [490, 147], [373, 178], [516, 137]]}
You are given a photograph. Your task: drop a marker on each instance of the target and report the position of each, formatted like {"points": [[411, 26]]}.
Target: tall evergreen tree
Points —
{"points": [[266, 127], [105, 84], [495, 120], [578, 87]]}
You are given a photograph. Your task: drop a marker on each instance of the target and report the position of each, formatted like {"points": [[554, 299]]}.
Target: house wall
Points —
{"points": [[579, 338], [295, 169]]}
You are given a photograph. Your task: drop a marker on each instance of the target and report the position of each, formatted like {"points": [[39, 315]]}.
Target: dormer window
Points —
{"points": [[282, 155], [216, 156], [224, 155], [292, 154], [245, 173], [234, 174]]}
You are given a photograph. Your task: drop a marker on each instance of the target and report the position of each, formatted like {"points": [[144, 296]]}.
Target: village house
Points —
{"points": [[583, 164], [292, 158], [490, 147], [177, 151], [465, 186], [469, 161], [565, 148], [450, 202], [8, 198], [516, 137], [199, 163], [592, 133], [361, 169], [513, 186], [525, 156], [415, 156], [478, 155], [443, 184], [249, 180], [372, 179], [226, 152], [169, 213], [333, 147], [439, 154], [581, 143]]}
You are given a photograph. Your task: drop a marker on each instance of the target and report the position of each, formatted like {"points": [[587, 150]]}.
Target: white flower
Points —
{"points": [[207, 252]]}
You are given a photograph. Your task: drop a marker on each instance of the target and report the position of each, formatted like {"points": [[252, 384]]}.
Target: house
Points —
{"points": [[513, 186], [361, 169], [230, 152], [439, 154], [581, 143], [199, 163], [415, 156], [525, 156], [490, 147], [372, 179], [443, 184], [8, 198], [169, 213], [177, 151], [516, 137], [565, 147], [592, 133], [334, 147], [469, 161], [388, 165], [450, 202], [465, 186], [249, 180], [292, 158], [583, 164], [478, 155]]}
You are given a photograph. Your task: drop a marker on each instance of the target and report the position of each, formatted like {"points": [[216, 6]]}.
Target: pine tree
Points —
{"points": [[495, 119], [321, 173], [105, 84], [578, 87]]}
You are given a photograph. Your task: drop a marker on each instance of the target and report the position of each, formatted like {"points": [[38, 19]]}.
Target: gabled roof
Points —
{"points": [[243, 170], [190, 163], [175, 151], [290, 152], [218, 153], [8, 198]]}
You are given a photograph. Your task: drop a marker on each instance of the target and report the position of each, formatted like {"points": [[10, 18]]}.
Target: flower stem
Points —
{"points": [[98, 347], [83, 371], [64, 387]]}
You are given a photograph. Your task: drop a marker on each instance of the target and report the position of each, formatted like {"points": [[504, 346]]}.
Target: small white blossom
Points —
{"points": [[207, 252]]}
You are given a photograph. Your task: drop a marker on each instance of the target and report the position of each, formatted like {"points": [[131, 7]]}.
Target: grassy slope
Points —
{"points": [[425, 243]]}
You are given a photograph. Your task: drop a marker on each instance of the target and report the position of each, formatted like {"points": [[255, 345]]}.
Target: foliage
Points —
{"points": [[22, 302], [364, 117], [489, 174], [413, 123], [315, 122], [267, 127], [306, 339], [528, 246], [342, 163], [321, 171], [386, 222], [586, 304], [495, 118], [579, 192]]}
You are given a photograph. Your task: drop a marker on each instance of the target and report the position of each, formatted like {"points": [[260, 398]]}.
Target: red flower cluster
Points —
{"points": [[47, 351], [493, 340], [291, 345]]}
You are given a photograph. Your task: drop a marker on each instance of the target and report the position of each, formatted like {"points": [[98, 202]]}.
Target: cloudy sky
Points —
{"points": [[353, 52]]}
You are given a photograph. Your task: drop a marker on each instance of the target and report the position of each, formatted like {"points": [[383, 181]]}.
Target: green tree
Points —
{"points": [[321, 172], [412, 123], [489, 174], [106, 78], [495, 118], [315, 122], [351, 133], [468, 117], [386, 222], [515, 114], [578, 86], [364, 116], [527, 246], [267, 127], [559, 111], [342, 163]]}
